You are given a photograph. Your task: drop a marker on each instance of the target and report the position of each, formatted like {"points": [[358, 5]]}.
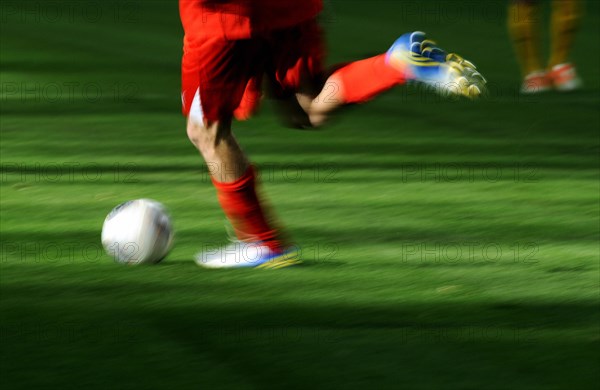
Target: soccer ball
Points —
{"points": [[138, 231]]}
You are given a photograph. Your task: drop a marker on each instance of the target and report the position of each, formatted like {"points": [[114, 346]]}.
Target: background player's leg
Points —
{"points": [[565, 22], [566, 15], [524, 28]]}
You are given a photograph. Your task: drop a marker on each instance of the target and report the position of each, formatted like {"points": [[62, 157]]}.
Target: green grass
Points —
{"points": [[447, 244]]}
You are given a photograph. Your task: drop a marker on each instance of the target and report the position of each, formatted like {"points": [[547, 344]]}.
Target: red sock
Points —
{"points": [[363, 80], [243, 209]]}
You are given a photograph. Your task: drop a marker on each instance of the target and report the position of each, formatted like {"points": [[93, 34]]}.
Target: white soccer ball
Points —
{"points": [[138, 231]]}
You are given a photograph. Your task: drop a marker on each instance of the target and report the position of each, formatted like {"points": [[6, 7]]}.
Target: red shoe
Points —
{"points": [[536, 82], [564, 78]]}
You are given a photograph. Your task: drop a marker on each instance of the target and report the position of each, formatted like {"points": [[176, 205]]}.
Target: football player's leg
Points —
{"points": [[411, 57], [233, 178], [298, 58], [222, 80], [258, 241], [356, 82], [566, 15], [216, 143], [297, 74], [524, 27]]}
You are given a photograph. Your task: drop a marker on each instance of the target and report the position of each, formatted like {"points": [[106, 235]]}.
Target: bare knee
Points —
{"points": [[206, 138], [222, 154]]}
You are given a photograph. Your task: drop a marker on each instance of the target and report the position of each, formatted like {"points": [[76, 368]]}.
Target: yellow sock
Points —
{"points": [[565, 22], [523, 25]]}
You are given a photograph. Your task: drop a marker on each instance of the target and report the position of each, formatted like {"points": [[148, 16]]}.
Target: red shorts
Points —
{"points": [[224, 76]]}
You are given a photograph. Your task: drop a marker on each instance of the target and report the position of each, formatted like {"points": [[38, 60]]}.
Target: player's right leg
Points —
{"points": [[257, 243]]}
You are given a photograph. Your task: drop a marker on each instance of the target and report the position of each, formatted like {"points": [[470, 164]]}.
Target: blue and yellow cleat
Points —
{"points": [[241, 254], [421, 60]]}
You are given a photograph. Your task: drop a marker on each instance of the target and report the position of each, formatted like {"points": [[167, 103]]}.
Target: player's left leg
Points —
{"points": [[295, 74], [353, 83], [411, 58], [566, 15]]}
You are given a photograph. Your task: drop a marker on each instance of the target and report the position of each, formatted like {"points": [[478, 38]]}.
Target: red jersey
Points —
{"points": [[241, 19]]}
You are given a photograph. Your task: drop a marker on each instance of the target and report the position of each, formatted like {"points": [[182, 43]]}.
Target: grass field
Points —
{"points": [[447, 244]]}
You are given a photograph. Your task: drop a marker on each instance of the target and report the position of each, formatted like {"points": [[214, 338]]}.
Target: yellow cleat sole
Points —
{"points": [[285, 260]]}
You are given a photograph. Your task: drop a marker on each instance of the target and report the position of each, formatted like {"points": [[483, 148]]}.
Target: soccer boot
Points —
{"points": [[422, 61], [241, 254]]}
